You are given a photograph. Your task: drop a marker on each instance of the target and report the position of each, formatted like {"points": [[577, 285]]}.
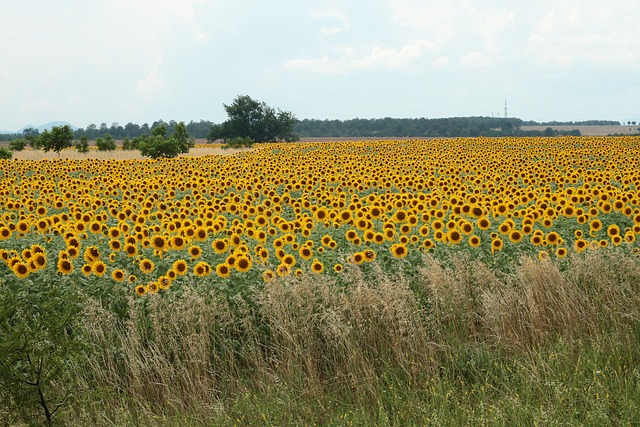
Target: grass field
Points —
{"points": [[399, 282]]}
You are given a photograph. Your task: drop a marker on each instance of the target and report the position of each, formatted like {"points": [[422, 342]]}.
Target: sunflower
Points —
{"points": [[5, 233], [131, 249], [20, 269], [496, 245], [91, 254], [580, 245], [140, 290], [219, 245], [613, 230], [223, 270], [152, 288], [357, 258], [288, 260], [543, 255], [118, 275], [95, 227], [283, 270], [201, 269], [268, 276], [113, 232], [163, 282], [87, 269], [40, 261], [474, 241], [505, 227], [398, 251], [351, 235], [317, 266], [454, 236], [320, 214], [338, 268], [99, 268], [146, 266], [561, 252], [553, 238], [595, 226], [484, 223], [515, 236], [369, 255], [243, 264], [180, 267], [64, 266], [305, 253], [195, 252]]}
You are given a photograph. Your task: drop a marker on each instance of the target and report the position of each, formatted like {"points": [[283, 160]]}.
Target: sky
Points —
{"points": [[120, 61]]}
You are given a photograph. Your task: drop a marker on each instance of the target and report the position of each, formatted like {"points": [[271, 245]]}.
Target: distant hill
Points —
{"points": [[46, 126]]}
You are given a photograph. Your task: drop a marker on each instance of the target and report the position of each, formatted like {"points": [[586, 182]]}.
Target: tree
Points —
{"points": [[252, 119], [158, 145], [56, 139], [106, 144]]}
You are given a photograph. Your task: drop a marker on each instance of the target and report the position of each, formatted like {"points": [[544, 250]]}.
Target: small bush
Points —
{"points": [[18, 144], [106, 144], [82, 145], [130, 144], [5, 153]]}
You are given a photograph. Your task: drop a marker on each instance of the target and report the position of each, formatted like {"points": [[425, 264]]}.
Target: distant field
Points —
{"points": [[72, 154], [591, 130]]}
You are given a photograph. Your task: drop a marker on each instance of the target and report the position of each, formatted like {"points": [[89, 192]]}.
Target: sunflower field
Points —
{"points": [[439, 281], [311, 208]]}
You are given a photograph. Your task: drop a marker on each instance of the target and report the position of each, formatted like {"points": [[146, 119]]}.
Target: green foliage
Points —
{"points": [[252, 119], [83, 144], [56, 139], [160, 130], [39, 343], [158, 145], [31, 135], [129, 144], [5, 153], [106, 144], [18, 144]]}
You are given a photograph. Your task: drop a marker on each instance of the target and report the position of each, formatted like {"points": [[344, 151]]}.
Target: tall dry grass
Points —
{"points": [[314, 337]]}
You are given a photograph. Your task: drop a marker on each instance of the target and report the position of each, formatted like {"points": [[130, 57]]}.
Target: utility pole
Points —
{"points": [[505, 108]]}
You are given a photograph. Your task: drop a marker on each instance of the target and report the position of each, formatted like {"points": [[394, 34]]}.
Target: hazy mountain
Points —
{"points": [[47, 126]]}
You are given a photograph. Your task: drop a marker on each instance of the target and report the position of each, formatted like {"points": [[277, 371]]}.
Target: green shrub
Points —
{"points": [[130, 144], [18, 144], [106, 144], [82, 145], [5, 153], [158, 145], [39, 343]]}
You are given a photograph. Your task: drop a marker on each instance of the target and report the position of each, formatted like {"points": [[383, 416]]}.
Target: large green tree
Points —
{"points": [[56, 139], [253, 119], [158, 145]]}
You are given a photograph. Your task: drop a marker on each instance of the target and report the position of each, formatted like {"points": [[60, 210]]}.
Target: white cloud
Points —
{"points": [[475, 59], [587, 32], [378, 57], [335, 20], [441, 61]]}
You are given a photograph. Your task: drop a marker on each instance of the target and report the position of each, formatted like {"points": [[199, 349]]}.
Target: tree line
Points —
{"points": [[420, 128], [254, 121]]}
